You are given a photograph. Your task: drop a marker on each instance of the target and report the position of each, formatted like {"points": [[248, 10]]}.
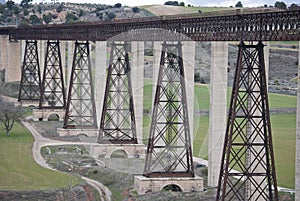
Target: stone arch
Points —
{"points": [[172, 187], [53, 117], [83, 135], [119, 153]]}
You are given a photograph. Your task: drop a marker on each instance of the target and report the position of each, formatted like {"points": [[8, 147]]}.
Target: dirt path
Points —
{"points": [[40, 141]]}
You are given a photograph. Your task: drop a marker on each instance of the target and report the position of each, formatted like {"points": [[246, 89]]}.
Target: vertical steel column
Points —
{"points": [[247, 168], [169, 152], [53, 89], [31, 78], [117, 121], [80, 109]]}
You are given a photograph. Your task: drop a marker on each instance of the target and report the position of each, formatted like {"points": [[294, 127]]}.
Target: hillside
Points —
{"points": [[58, 13], [176, 10]]}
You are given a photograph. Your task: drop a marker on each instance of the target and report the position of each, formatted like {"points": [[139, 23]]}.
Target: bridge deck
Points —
{"points": [[228, 26]]}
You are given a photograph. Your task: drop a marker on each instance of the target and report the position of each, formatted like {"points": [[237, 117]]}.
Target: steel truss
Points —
{"points": [[266, 24], [31, 78], [81, 109], [247, 167], [169, 152], [53, 90], [117, 121]]}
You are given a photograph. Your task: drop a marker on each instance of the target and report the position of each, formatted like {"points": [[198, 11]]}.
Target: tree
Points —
{"points": [[280, 5], [35, 20], [17, 11], [172, 3], [118, 5], [10, 4], [135, 9], [25, 3], [181, 4], [25, 12], [47, 18], [100, 15], [239, 4], [293, 6], [9, 114], [70, 17], [80, 13], [59, 8], [111, 15]]}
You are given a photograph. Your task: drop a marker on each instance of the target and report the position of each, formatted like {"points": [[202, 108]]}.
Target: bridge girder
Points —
{"points": [[257, 26]]}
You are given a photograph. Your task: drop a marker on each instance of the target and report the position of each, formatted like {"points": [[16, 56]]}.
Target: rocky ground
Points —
{"points": [[82, 192], [117, 174]]}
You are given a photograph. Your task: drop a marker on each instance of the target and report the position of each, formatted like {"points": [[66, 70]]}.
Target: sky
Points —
{"points": [[225, 3]]}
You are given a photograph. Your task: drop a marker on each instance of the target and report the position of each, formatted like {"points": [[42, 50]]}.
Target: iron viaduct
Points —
{"points": [[179, 32]]}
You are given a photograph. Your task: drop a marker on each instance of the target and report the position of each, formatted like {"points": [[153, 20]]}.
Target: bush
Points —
{"points": [[135, 9], [111, 15], [47, 18], [25, 12], [118, 5], [35, 20], [172, 3], [100, 16], [70, 17], [59, 8]]}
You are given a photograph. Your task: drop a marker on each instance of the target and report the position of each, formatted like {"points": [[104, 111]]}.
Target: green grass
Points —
{"points": [[202, 97], [284, 136], [282, 101], [201, 136], [18, 170]]}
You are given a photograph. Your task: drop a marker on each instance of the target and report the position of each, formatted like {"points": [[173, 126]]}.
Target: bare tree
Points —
{"points": [[9, 114]]}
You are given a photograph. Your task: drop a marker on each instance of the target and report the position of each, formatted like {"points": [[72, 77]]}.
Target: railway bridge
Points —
{"points": [[105, 101]]}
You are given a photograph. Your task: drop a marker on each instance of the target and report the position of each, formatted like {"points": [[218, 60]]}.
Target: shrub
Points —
{"points": [[135, 9]]}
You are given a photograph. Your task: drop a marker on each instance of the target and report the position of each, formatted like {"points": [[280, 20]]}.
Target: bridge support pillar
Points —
{"points": [[218, 107], [52, 98], [41, 51], [29, 90], [137, 76], [13, 68], [3, 55], [117, 123], [100, 75], [248, 143], [297, 174], [267, 60], [69, 62], [188, 55]]}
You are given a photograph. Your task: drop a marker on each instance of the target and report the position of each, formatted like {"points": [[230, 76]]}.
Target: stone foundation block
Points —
{"points": [[186, 184], [130, 150], [44, 114], [75, 132]]}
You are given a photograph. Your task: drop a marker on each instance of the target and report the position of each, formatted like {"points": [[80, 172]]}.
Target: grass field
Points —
{"points": [[202, 97], [18, 171]]}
